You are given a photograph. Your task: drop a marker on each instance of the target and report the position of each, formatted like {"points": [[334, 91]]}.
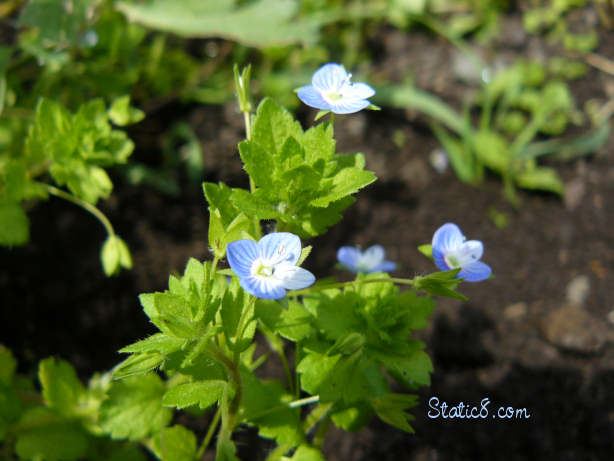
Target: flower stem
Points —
{"points": [[209, 435], [83, 204], [330, 286]]}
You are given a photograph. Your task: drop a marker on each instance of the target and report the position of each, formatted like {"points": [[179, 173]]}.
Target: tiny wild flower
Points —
{"points": [[370, 260], [451, 250], [332, 90], [267, 268]]}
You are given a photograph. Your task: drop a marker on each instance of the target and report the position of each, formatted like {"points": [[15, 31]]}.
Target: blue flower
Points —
{"points": [[451, 251], [371, 260], [268, 268], [331, 89]]}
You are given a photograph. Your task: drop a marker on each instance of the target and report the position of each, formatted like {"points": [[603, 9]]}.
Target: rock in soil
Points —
{"points": [[573, 329]]}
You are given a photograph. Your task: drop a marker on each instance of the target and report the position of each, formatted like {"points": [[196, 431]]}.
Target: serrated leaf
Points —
{"points": [[257, 162], [201, 393], [391, 409], [158, 342], [348, 181], [62, 390], [273, 125], [252, 205], [138, 364], [174, 443], [410, 368], [441, 284], [133, 408], [14, 225]]}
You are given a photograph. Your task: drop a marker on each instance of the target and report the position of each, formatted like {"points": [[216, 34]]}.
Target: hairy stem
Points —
{"points": [[83, 204]]}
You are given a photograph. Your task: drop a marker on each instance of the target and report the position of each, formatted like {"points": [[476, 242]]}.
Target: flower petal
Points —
{"points": [[241, 254], [358, 91], [329, 77], [440, 260], [372, 257], [280, 246], [447, 238], [469, 252], [348, 106], [312, 97], [385, 266], [349, 256], [292, 277], [263, 287], [475, 272]]}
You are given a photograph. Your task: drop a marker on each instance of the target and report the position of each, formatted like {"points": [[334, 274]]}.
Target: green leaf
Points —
{"points": [[62, 390], [440, 284], [541, 178], [121, 113], [492, 150], [237, 317], [10, 408], [252, 205], [260, 397], [14, 225], [293, 323], [203, 393], [133, 408], [138, 364], [173, 315], [307, 453], [56, 22], [273, 125], [260, 23], [391, 409], [61, 441], [426, 250], [115, 255], [158, 342], [8, 365], [413, 369], [347, 181], [174, 443], [352, 418]]}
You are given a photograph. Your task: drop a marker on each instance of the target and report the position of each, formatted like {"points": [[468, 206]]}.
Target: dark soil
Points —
{"points": [[522, 340]]}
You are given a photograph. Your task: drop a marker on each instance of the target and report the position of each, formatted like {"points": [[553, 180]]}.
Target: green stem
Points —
{"points": [[320, 436], [209, 435], [83, 204], [330, 286], [284, 363], [289, 405], [317, 414]]}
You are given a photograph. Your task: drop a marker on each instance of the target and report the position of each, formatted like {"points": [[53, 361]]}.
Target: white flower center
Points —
{"points": [[262, 268], [461, 256], [338, 93]]}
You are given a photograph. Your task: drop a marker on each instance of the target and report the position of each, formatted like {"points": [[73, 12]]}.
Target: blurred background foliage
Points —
{"points": [[160, 52]]}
